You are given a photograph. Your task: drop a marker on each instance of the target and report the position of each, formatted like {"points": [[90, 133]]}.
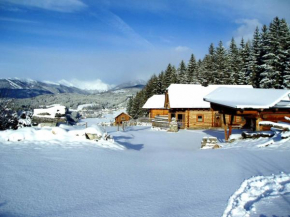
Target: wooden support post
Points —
{"points": [[225, 127], [230, 125], [257, 122], [187, 118], [212, 117]]}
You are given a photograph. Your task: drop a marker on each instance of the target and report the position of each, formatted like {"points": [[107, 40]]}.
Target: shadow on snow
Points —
{"points": [[126, 144]]}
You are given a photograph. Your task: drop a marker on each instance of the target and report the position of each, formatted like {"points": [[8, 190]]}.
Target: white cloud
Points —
{"points": [[53, 5], [7, 19], [87, 85], [108, 67], [120, 25], [246, 29], [182, 49]]}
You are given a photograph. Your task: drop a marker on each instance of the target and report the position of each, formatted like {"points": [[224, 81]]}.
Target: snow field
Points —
{"points": [[158, 174], [242, 202]]}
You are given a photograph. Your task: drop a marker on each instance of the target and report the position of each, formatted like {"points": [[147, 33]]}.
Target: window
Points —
{"points": [[172, 116], [199, 118], [122, 118]]}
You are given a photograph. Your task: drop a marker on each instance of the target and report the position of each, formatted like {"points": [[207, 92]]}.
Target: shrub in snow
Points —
{"points": [[8, 118], [24, 119], [73, 117]]}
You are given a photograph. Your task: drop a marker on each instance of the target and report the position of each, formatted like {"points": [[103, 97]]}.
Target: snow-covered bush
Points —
{"points": [[8, 117], [73, 117], [24, 119]]}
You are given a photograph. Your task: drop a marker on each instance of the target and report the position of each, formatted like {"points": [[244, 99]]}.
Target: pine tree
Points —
{"points": [[129, 106], [161, 84], [222, 73], [203, 76], [286, 76], [284, 53], [256, 59], [234, 62], [277, 54], [174, 79], [207, 68], [168, 76], [181, 73], [192, 73], [244, 75]]}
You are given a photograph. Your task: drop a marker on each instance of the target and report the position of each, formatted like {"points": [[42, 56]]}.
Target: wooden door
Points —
{"points": [[217, 120], [181, 120]]}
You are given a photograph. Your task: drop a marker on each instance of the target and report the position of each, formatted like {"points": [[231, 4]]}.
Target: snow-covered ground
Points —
{"points": [[155, 174]]}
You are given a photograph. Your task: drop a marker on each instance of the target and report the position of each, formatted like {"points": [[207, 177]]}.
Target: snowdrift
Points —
{"points": [[63, 135]]}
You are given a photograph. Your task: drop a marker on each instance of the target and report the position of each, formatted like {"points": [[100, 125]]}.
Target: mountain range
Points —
{"points": [[27, 88]]}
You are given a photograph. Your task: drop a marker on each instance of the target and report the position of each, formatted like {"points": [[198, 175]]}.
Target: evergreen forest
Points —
{"points": [[263, 62]]}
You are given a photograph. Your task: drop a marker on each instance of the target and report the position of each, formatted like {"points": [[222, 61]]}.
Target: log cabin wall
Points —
{"points": [[201, 118], [154, 112]]}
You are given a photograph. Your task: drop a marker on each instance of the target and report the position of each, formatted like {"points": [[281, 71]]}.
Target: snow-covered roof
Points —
{"points": [[122, 113], [191, 95], [155, 102], [51, 111], [250, 98]]}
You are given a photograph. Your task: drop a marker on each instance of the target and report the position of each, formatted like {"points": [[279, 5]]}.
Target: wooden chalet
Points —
{"points": [[122, 117], [155, 105], [185, 103], [254, 105]]}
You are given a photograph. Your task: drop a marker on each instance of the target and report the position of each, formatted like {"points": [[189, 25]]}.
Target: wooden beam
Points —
{"points": [[257, 122], [212, 117], [230, 125], [225, 127], [224, 118]]}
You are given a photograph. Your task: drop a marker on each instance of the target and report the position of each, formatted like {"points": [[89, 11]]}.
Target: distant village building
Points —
{"points": [[254, 105], [184, 103], [50, 115], [121, 117], [155, 106]]}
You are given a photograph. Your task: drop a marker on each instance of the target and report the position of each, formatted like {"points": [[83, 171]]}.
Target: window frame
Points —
{"points": [[197, 118]]}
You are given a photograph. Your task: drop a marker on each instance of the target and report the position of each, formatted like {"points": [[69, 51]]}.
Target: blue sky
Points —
{"points": [[112, 41]]}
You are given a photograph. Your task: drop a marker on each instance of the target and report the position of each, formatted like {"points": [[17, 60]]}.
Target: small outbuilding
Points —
{"points": [[254, 105], [155, 106], [122, 117]]}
